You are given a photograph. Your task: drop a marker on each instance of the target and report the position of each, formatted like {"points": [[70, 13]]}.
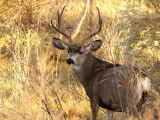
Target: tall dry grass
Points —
{"points": [[35, 82]]}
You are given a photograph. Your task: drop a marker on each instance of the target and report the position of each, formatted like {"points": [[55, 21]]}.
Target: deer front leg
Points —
{"points": [[95, 109]]}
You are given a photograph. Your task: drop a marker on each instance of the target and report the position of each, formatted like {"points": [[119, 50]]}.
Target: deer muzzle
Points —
{"points": [[70, 61]]}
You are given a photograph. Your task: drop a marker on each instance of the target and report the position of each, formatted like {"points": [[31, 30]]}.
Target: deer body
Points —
{"points": [[106, 84], [114, 87]]}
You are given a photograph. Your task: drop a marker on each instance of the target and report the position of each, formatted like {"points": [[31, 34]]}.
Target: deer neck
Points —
{"points": [[87, 70]]}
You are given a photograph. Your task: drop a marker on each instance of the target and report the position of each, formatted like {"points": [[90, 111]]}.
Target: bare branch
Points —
{"points": [[79, 24]]}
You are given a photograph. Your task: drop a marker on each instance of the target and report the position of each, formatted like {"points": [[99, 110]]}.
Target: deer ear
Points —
{"points": [[61, 45], [94, 46]]}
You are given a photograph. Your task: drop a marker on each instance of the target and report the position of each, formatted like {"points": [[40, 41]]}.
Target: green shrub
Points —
{"points": [[139, 27]]}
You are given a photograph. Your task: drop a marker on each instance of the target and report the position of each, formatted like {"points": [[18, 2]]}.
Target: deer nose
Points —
{"points": [[70, 61]]}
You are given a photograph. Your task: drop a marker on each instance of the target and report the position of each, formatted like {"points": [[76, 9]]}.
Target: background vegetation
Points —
{"points": [[36, 83]]}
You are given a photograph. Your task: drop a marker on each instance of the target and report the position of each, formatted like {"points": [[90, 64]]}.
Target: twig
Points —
{"points": [[13, 111]]}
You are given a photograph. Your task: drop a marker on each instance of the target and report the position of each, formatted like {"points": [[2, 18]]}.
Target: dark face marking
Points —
{"points": [[75, 48]]}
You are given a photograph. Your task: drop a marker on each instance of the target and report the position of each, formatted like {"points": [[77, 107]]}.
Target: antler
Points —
{"points": [[98, 30], [78, 25], [58, 29]]}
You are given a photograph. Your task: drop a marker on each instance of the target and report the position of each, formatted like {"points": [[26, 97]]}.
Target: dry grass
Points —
{"points": [[35, 82]]}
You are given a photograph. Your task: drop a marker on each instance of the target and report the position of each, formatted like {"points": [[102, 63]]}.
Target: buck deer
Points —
{"points": [[112, 86]]}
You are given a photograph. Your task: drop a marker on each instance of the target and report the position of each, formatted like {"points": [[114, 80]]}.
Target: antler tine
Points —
{"points": [[79, 24], [58, 29], [59, 17], [98, 30]]}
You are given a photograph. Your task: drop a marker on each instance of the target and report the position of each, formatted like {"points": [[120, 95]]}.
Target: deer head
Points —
{"points": [[77, 52]]}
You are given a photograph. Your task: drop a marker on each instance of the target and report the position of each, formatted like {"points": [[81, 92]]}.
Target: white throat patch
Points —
{"points": [[76, 67]]}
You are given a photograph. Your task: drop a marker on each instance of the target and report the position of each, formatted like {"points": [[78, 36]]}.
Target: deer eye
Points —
{"points": [[80, 52]]}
